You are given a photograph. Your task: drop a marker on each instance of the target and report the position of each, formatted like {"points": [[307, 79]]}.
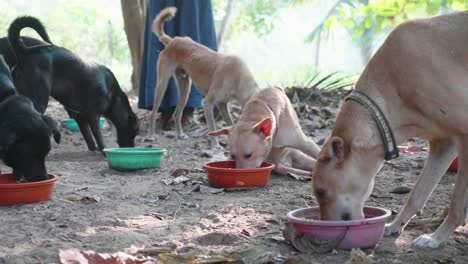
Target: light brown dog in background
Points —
{"points": [[218, 77], [269, 130]]}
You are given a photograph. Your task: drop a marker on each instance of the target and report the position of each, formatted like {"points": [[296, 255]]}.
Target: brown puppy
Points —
{"points": [[268, 129], [419, 79], [218, 77]]}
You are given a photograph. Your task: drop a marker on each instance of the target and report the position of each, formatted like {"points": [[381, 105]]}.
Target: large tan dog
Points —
{"points": [[419, 79], [218, 77], [268, 129]]}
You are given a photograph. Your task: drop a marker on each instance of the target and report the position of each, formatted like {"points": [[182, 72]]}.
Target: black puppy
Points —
{"points": [[86, 90], [24, 132]]}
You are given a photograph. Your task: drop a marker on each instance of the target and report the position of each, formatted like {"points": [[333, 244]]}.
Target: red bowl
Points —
{"points": [[223, 174], [365, 233], [454, 166], [12, 192]]}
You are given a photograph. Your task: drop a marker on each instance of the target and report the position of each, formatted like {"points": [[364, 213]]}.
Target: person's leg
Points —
{"points": [[148, 79]]}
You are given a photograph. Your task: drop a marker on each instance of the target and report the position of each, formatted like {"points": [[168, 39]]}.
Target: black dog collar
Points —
{"points": [[391, 149]]}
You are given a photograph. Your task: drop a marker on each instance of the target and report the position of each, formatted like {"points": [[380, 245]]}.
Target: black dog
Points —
{"points": [[24, 132], [87, 91]]}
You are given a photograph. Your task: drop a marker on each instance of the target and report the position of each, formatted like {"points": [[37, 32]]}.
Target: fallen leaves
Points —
{"points": [[176, 180], [86, 199], [357, 256], [166, 255], [211, 190], [74, 256], [183, 172], [308, 244]]}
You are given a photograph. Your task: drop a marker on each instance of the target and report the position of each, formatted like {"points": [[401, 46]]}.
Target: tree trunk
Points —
{"points": [[134, 13], [224, 23]]}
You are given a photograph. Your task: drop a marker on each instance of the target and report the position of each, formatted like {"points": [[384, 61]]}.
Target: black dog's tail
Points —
{"points": [[24, 22]]}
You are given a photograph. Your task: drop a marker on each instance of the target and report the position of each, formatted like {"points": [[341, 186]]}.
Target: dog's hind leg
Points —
{"points": [[208, 106], [184, 85], [441, 153], [83, 124], [165, 69], [459, 201], [224, 110], [94, 124]]}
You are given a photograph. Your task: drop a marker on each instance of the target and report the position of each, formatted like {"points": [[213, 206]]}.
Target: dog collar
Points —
{"points": [[391, 149]]}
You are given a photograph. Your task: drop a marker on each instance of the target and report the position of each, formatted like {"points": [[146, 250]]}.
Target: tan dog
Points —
{"points": [[419, 79], [218, 77], [268, 129]]}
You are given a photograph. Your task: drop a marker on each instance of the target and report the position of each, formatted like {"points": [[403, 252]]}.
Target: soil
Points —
{"points": [[97, 208]]}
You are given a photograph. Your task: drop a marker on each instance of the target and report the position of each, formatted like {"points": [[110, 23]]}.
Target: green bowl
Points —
{"points": [[72, 125], [134, 158]]}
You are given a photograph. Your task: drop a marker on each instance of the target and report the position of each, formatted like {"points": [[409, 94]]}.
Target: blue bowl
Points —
{"points": [[72, 125]]}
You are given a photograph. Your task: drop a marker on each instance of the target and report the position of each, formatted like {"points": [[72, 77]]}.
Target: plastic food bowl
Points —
{"points": [[223, 174], [134, 158], [365, 233], [12, 192], [72, 125], [454, 166]]}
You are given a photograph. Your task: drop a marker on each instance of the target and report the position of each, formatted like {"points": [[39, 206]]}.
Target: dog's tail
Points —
{"points": [[158, 24], [24, 22]]}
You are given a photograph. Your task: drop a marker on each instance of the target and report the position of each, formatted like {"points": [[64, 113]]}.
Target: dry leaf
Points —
{"points": [[357, 256], [76, 256], [207, 189]]}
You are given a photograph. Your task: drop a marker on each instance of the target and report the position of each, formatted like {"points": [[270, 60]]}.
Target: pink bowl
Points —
{"points": [[365, 233]]}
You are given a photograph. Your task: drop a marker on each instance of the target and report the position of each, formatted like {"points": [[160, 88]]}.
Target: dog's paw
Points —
{"points": [[393, 229], [182, 136], [426, 242], [149, 138]]}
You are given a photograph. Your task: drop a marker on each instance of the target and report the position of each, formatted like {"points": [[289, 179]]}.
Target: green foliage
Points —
{"points": [[361, 16], [333, 80], [86, 27], [256, 15]]}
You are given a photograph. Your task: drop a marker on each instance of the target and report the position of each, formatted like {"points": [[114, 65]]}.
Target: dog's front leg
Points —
{"points": [[94, 124], [302, 161], [458, 204], [83, 124], [284, 169], [208, 105], [441, 153], [305, 144]]}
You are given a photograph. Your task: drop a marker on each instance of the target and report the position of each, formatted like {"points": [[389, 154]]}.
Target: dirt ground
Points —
{"points": [[96, 208]]}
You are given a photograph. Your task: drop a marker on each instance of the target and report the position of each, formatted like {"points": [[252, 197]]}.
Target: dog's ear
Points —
{"points": [[7, 138], [222, 131], [53, 127], [336, 148], [264, 127]]}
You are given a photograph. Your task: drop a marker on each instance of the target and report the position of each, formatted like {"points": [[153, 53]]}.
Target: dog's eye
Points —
{"points": [[320, 193], [248, 156]]}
